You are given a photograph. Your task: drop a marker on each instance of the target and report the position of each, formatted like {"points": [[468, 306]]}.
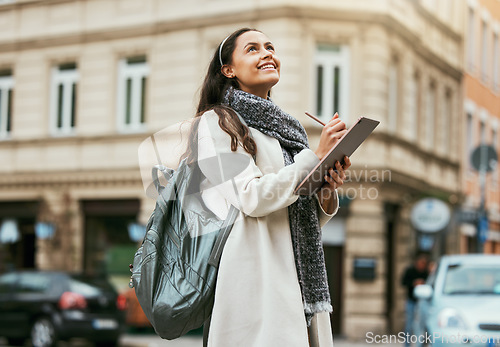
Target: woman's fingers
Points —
{"points": [[334, 178], [337, 175], [335, 125], [340, 171], [347, 162], [335, 116]]}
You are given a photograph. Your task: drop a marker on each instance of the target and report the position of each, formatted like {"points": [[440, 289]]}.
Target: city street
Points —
{"points": [[151, 340], [196, 341]]}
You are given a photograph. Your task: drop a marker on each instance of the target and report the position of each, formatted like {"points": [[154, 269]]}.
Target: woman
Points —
{"points": [[271, 287]]}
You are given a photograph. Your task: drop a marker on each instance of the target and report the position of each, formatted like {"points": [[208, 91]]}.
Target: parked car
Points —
{"points": [[135, 316], [50, 306], [460, 302]]}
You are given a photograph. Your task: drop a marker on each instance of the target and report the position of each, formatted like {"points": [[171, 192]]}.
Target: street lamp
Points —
{"points": [[484, 159], [44, 231], [9, 231]]}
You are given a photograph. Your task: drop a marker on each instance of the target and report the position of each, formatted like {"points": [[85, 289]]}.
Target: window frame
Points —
{"points": [[135, 72], [415, 105], [496, 63], [484, 50], [68, 78], [393, 94], [446, 113], [471, 39], [6, 88], [331, 57], [431, 116], [469, 135]]}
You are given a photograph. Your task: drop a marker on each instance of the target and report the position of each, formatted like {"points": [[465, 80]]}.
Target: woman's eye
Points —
{"points": [[270, 48]]}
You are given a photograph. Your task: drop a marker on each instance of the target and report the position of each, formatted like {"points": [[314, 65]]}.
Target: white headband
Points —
{"points": [[220, 50]]}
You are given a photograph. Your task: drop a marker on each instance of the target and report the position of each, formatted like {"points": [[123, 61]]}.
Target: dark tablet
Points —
{"points": [[346, 146]]}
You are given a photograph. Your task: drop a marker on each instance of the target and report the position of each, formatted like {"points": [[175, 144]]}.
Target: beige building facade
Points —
{"points": [[83, 83]]}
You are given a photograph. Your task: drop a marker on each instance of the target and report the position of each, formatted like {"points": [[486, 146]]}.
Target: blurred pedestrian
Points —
{"points": [[413, 276], [271, 287]]}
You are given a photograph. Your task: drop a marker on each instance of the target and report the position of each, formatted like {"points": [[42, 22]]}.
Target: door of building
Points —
{"points": [[333, 259], [108, 247], [21, 252], [333, 238]]}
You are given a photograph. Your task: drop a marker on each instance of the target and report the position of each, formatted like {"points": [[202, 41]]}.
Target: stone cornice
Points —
{"points": [[418, 184], [73, 140], [114, 177], [278, 11], [428, 16], [429, 156]]}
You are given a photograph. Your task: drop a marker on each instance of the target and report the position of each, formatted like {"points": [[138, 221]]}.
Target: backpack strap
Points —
{"points": [[167, 173], [206, 329], [214, 258], [249, 131]]}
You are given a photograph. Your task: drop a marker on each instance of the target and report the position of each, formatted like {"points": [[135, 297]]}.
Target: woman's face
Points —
{"points": [[254, 64]]}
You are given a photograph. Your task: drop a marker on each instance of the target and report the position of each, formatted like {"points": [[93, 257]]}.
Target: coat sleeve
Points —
{"points": [[324, 216], [248, 189]]}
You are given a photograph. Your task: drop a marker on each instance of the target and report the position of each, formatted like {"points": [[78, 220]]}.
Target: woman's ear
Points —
{"points": [[227, 70]]}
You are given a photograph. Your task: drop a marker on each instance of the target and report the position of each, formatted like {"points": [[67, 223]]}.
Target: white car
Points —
{"points": [[460, 303]]}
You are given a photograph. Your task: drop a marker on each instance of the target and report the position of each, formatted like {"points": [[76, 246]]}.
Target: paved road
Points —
{"points": [[154, 341], [151, 340], [195, 341]]}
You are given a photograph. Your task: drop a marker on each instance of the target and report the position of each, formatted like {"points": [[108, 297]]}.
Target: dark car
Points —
{"points": [[50, 306]]}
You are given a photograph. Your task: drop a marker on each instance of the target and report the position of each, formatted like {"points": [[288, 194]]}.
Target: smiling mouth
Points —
{"points": [[267, 67]]}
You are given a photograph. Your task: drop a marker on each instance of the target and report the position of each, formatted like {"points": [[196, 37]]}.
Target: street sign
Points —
{"points": [[425, 242], [468, 216], [483, 228], [490, 158], [430, 215]]}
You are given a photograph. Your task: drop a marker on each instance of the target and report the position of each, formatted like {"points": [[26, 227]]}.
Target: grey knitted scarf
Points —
{"points": [[269, 119]]}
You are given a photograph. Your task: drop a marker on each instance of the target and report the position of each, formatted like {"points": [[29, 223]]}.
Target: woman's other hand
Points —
{"points": [[331, 133], [336, 177]]}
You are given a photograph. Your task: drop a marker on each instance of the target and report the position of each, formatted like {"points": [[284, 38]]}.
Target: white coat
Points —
{"points": [[258, 301]]}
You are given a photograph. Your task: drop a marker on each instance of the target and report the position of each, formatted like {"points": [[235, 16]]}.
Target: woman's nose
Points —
{"points": [[267, 54]]}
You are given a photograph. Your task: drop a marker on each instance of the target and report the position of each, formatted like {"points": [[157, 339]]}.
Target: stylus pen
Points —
{"points": [[320, 122], [317, 119]]}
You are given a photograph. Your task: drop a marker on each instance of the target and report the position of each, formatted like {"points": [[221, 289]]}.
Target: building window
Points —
{"points": [[471, 38], [331, 81], [494, 141], [132, 84], [63, 99], [482, 132], [446, 123], [470, 139], [496, 63], [6, 90], [494, 138], [414, 106], [431, 119], [484, 51], [393, 95]]}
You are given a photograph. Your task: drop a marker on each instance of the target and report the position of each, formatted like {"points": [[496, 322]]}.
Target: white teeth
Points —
{"points": [[267, 66]]}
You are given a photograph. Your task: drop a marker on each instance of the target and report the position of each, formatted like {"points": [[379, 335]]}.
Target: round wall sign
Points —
{"points": [[430, 215]]}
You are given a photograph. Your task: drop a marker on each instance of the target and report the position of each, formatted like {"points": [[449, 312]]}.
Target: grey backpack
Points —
{"points": [[175, 270]]}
